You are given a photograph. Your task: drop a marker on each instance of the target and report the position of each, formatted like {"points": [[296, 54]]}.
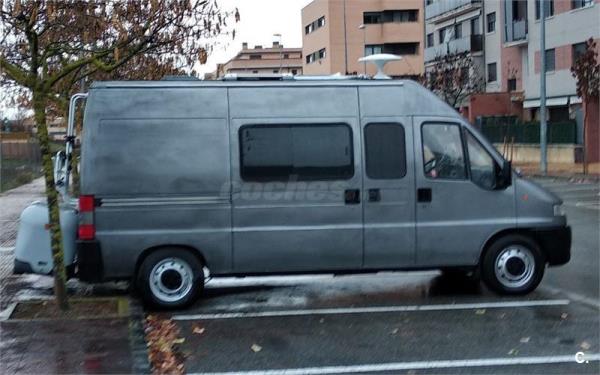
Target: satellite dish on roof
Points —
{"points": [[380, 60]]}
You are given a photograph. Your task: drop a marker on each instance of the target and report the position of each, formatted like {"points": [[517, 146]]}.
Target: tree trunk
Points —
{"points": [[585, 127], [60, 277]]}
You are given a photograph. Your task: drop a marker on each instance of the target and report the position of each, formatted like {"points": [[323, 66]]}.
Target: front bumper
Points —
{"points": [[90, 267], [556, 244]]}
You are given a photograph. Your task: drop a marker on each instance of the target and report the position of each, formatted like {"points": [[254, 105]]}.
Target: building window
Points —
{"points": [[578, 50], [512, 84], [373, 49], [548, 8], [492, 75], [458, 31], [286, 56], [316, 56], [475, 26], [296, 152], [385, 151], [491, 22], [550, 62], [371, 17], [313, 26], [575, 4], [255, 57], [430, 40], [255, 72], [294, 71], [401, 48], [275, 71]]}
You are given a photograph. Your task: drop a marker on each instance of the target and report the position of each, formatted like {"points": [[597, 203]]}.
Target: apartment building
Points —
{"points": [[276, 59], [336, 33], [504, 39]]}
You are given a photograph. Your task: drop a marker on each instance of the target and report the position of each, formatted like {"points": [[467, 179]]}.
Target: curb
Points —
{"points": [[137, 339], [582, 177]]}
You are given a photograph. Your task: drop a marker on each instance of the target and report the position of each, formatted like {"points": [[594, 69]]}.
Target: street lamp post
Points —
{"points": [[363, 27], [543, 125]]}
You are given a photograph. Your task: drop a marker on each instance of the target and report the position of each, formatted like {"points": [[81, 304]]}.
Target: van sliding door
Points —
{"points": [[296, 195]]}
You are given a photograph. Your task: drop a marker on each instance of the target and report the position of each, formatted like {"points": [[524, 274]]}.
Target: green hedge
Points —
{"points": [[497, 128]]}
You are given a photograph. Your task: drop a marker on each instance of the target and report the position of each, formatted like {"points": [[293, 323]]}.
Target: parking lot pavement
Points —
{"points": [[418, 322]]}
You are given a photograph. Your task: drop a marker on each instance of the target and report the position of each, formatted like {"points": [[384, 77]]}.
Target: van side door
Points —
{"points": [[296, 179], [458, 205], [388, 192]]}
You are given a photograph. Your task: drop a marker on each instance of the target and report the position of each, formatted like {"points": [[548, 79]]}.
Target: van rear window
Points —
{"points": [[296, 152]]}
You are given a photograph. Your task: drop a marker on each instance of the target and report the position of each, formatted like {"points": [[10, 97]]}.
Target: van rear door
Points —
{"points": [[389, 214]]}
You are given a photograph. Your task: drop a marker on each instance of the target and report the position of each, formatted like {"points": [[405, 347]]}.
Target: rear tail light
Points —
{"points": [[87, 229]]}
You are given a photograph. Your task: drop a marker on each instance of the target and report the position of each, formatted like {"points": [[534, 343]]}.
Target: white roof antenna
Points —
{"points": [[380, 60]]}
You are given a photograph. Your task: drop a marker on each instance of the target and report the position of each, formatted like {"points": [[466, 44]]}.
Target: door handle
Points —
{"points": [[374, 195], [352, 196], [424, 195]]}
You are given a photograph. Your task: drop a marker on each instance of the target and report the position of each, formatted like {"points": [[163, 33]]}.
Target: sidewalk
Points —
{"points": [[566, 171], [43, 346]]}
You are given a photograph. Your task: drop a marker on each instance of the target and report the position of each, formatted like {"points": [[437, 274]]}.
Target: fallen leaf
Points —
{"points": [[502, 315], [394, 331], [480, 311], [513, 352], [321, 320], [179, 341], [198, 330], [256, 348], [524, 340], [564, 315], [585, 345]]}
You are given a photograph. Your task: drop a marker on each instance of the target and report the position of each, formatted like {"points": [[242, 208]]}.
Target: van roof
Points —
{"points": [[266, 83]]}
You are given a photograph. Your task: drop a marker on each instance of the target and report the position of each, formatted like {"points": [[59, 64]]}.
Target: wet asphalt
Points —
{"points": [[422, 323]]}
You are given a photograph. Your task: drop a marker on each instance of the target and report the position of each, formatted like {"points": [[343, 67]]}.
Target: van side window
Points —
{"points": [[296, 152], [385, 151], [443, 156], [481, 164]]}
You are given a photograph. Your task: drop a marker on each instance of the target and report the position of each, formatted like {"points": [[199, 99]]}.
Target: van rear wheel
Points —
{"points": [[514, 264], [170, 278]]}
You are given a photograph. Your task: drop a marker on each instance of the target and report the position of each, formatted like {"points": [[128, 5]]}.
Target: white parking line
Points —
{"points": [[573, 296], [422, 365], [374, 309]]}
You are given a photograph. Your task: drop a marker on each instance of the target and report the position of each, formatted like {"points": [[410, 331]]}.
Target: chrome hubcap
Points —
{"points": [[171, 279], [515, 266]]}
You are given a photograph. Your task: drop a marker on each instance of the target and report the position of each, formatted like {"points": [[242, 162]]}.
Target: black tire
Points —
{"points": [[173, 265], [511, 248]]}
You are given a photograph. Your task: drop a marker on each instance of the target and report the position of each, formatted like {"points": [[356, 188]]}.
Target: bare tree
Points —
{"points": [[45, 44], [586, 72], [454, 77]]}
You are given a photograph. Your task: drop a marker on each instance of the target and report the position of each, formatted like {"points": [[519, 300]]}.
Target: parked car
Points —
{"points": [[296, 176]]}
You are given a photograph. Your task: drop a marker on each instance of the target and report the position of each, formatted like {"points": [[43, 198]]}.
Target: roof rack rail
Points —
{"points": [[256, 77], [288, 77]]}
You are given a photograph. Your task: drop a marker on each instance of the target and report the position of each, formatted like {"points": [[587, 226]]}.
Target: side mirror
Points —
{"points": [[504, 175]]}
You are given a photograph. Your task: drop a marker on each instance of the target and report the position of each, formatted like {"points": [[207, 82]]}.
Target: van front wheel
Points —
{"points": [[170, 278], [514, 264]]}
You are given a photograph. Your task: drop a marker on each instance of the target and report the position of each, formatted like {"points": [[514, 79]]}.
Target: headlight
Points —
{"points": [[559, 210]]}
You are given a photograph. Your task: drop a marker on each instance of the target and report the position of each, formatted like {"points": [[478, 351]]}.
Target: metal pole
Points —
{"points": [[345, 42], [543, 125]]}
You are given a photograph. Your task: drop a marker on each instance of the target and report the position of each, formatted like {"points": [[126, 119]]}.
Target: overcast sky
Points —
{"points": [[260, 19]]}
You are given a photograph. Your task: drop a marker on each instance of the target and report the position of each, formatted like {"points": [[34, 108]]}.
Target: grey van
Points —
{"points": [[288, 176]]}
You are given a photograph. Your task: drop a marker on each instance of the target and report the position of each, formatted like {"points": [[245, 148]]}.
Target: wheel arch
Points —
{"points": [[146, 252], [528, 232]]}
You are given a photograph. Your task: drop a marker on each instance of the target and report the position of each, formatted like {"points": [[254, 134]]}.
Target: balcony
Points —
{"points": [[516, 31], [454, 7], [472, 43]]}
